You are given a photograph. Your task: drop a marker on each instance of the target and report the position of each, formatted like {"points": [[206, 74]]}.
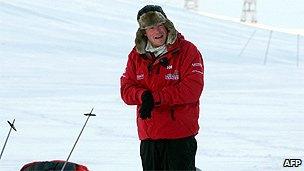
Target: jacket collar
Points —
{"points": [[172, 50]]}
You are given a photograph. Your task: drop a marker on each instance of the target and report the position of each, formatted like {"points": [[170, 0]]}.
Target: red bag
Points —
{"points": [[55, 165]]}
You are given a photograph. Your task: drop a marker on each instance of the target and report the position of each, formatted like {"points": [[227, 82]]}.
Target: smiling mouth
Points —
{"points": [[159, 37]]}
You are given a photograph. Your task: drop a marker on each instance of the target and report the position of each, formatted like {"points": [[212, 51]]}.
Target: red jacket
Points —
{"points": [[176, 80]]}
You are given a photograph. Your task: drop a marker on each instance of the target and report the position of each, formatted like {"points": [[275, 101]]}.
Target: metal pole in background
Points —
{"points": [[266, 53], [247, 43], [11, 127], [88, 116], [298, 50]]}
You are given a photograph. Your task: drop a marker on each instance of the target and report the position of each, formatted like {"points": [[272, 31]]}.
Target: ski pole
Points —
{"points": [[88, 116], [11, 127]]}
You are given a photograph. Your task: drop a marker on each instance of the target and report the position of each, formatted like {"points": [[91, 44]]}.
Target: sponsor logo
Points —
{"points": [[292, 163], [169, 67], [197, 64], [200, 72], [140, 77], [174, 76]]}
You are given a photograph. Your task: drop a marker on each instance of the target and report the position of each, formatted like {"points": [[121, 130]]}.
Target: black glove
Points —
{"points": [[147, 105]]}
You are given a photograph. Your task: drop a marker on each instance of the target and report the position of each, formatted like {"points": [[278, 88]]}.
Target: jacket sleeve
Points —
{"points": [[130, 90], [190, 86]]}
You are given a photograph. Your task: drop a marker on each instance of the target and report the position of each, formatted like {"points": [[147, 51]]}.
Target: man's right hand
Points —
{"points": [[147, 105]]}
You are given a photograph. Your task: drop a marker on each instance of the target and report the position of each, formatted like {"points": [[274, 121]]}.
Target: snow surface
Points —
{"points": [[279, 13], [60, 58]]}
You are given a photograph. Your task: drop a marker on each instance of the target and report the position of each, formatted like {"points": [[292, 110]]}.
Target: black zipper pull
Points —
{"points": [[149, 67], [164, 62]]}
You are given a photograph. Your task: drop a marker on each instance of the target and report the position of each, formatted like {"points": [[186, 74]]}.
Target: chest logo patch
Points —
{"points": [[169, 67], [174, 76]]}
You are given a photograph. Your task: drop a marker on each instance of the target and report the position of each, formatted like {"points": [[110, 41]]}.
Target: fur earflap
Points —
{"points": [[141, 39]]}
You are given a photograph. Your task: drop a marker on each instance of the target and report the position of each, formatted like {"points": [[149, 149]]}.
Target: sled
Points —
{"points": [[55, 165]]}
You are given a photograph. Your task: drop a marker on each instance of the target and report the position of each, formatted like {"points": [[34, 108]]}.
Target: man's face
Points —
{"points": [[157, 34]]}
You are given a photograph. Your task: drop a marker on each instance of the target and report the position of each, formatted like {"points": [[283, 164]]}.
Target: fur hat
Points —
{"points": [[151, 15]]}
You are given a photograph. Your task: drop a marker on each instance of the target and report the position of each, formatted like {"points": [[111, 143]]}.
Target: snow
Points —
{"points": [[61, 58]]}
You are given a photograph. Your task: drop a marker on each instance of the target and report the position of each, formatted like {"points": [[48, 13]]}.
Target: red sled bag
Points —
{"points": [[55, 165]]}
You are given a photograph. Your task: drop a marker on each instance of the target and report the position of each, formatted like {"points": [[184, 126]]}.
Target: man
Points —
{"points": [[164, 77]]}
